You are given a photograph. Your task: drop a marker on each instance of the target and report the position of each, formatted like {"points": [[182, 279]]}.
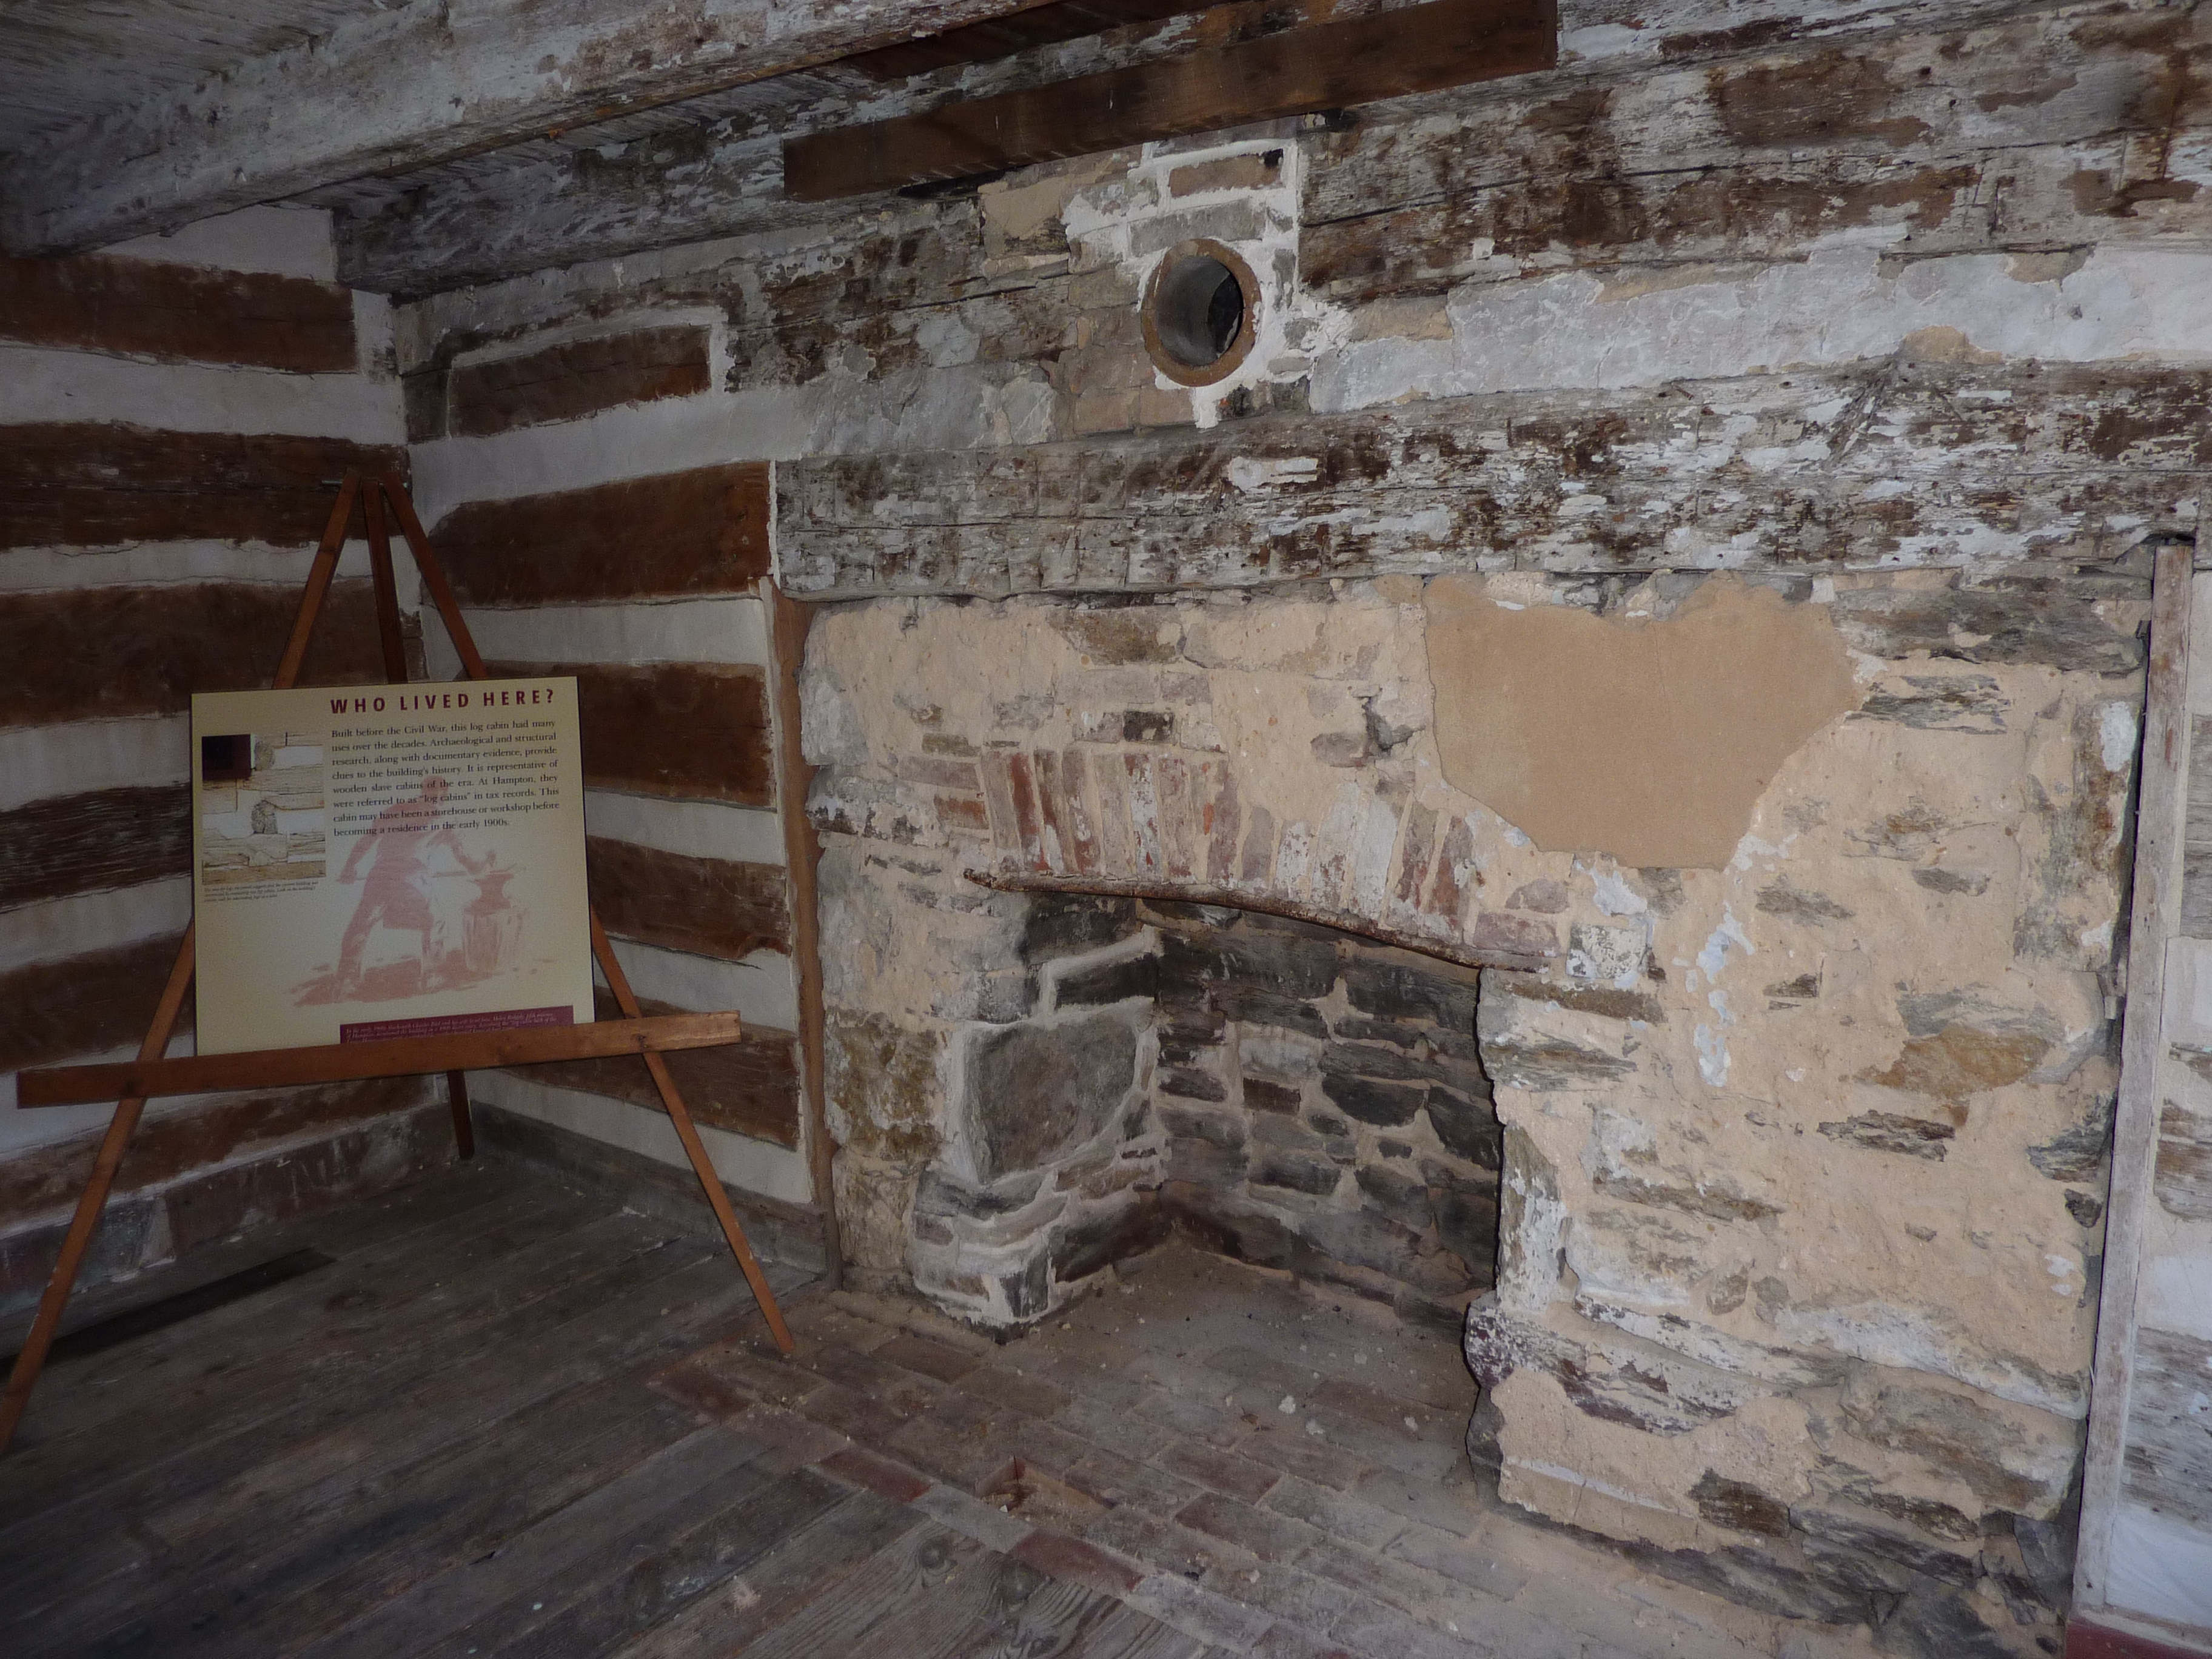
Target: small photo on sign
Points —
{"points": [[262, 811]]}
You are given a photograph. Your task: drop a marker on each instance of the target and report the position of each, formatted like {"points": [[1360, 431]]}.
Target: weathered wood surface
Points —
{"points": [[574, 379], [614, 189], [749, 1087], [82, 843], [2169, 1464], [2176, 662], [2183, 1180], [1421, 48], [2057, 128], [2196, 832], [704, 531], [1002, 37], [788, 626], [46, 1179], [104, 652], [178, 313], [282, 1069], [558, 1325], [397, 87], [709, 907], [69, 483], [1793, 472], [690, 731], [1740, 144], [84, 1004]]}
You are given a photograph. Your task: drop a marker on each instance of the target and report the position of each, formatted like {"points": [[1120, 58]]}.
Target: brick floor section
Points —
{"points": [[1346, 1527]]}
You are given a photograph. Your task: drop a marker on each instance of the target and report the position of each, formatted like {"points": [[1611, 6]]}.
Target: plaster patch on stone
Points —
{"points": [[1650, 740]]}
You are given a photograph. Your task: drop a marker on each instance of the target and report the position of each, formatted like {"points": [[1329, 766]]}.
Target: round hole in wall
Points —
{"points": [[1200, 313]]}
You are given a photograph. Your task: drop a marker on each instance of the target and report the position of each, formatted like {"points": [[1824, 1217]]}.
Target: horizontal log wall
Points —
{"points": [[645, 583], [171, 436]]}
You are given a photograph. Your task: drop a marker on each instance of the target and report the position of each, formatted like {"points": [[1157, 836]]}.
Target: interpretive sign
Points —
{"points": [[387, 862]]}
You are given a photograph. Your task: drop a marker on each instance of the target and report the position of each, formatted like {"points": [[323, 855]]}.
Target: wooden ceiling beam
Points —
{"points": [[413, 83], [1422, 48], [1004, 37]]}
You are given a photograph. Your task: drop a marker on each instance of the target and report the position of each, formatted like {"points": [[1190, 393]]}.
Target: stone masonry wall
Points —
{"points": [[1801, 1158]]}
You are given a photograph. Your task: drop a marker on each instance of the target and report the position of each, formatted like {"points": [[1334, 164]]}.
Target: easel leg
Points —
{"points": [[86, 1222], [456, 1097], [693, 1148], [124, 1123]]}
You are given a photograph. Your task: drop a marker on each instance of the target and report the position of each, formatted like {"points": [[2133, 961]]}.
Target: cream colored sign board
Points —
{"points": [[388, 861]]}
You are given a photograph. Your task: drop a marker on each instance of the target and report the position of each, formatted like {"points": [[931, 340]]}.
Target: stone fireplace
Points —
{"points": [[1767, 1189]]}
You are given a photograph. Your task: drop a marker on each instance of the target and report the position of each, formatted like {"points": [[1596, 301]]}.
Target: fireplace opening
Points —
{"points": [[1274, 1090]]}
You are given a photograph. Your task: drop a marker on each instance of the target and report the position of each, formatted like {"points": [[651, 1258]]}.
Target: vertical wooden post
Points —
{"points": [[789, 623], [2162, 797], [117, 1141]]}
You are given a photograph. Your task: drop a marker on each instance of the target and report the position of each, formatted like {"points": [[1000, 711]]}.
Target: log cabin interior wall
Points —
{"points": [[1768, 418], [1800, 1147], [177, 412]]}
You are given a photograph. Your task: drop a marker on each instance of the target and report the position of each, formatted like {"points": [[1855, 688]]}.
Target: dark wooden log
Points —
{"points": [[69, 483], [82, 1005], [1239, 898], [1425, 48], [1002, 37], [178, 313], [788, 624], [44, 1179], [1777, 468], [105, 838], [279, 1068], [100, 653], [577, 378], [709, 907], [1930, 132], [701, 532], [690, 731], [749, 1087]]}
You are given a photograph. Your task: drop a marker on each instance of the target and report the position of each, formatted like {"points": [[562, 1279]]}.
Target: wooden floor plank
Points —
{"points": [[908, 1600], [485, 1524], [818, 1562], [562, 1542], [370, 1272], [1030, 1616], [534, 1289], [653, 1573], [453, 1508], [226, 1363], [445, 1396]]}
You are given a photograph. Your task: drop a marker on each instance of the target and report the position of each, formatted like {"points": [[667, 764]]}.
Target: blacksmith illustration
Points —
{"points": [[397, 889]]}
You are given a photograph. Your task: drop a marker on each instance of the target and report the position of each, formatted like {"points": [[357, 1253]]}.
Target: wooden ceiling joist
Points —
{"points": [[1422, 48], [1017, 32]]}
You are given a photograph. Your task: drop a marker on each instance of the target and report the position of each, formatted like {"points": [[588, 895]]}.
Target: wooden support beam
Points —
{"points": [[1448, 43], [340, 1062], [406, 84]]}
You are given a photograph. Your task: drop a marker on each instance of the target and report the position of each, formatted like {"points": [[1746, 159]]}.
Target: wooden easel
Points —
{"points": [[152, 1074]]}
